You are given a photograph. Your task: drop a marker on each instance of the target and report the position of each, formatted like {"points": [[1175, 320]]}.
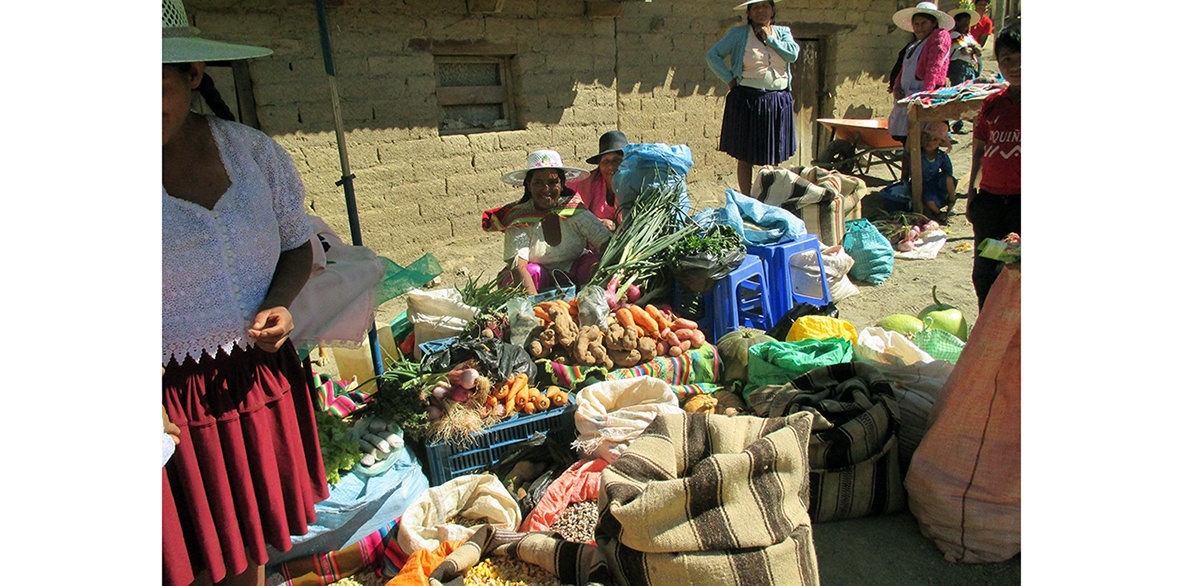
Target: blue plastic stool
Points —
{"points": [[777, 260], [740, 299]]}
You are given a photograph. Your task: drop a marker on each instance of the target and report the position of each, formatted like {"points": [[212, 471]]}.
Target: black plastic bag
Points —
{"points": [[781, 328], [529, 467], [492, 355], [699, 273]]}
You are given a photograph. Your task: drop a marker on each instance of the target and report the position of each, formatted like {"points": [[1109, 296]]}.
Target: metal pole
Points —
{"points": [[347, 180]]}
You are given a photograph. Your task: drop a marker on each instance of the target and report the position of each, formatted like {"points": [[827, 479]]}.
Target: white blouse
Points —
{"points": [[762, 67], [218, 264], [529, 242]]}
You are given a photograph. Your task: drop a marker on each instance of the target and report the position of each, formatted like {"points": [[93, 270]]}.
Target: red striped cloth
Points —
{"points": [[515, 215]]}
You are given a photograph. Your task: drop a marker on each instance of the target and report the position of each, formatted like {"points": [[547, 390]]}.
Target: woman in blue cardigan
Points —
{"points": [[758, 127]]}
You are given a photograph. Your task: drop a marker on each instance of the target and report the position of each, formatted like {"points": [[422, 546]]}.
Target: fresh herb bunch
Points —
{"points": [[488, 296], [400, 397], [897, 225], [716, 241]]}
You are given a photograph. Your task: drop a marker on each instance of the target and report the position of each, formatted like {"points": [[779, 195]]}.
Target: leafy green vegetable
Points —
{"points": [[338, 452], [716, 241]]}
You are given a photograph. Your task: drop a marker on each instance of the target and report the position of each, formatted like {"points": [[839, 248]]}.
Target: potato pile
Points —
{"points": [[634, 335]]}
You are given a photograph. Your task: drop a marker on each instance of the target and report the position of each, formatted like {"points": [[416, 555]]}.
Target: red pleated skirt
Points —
{"points": [[248, 468]]}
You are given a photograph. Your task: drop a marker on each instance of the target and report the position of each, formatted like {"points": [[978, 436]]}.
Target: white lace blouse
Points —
{"points": [[217, 264]]}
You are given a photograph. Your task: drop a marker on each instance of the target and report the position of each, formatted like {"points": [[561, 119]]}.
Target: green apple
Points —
{"points": [[945, 317]]}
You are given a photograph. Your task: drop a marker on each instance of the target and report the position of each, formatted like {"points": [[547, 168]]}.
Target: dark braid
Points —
{"points": [[212, 97], [208, 91]]}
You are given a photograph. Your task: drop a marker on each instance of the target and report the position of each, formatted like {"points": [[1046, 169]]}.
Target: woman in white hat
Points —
{"points": [[926, 60], [247, 470], [549, 229], [758, 126], [596, 189]]}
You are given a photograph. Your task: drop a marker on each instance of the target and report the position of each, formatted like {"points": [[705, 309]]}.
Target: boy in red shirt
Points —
{"points": [[994, 188], [982, 29]]}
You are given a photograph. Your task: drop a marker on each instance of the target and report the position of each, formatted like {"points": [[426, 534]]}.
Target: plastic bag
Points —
{"points": [[652, 166], [940, 344], [612, 413], [593, 307], [777, 363], [527, 468], [438, 314], [699, 273], [770, 224], [872, 252], [821, 327], [876, 344], [521, 321], [493, 356], [837, 266], [780, 330]]}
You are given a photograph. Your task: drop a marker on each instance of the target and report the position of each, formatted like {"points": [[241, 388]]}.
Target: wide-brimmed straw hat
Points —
{"points": [[745, 4], [543, 160], [610, 142], [957, 11], [903, 17], [182, 45]]}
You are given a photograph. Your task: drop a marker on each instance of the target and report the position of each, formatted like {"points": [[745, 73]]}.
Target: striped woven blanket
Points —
{"points": [[854, 452], [710, 499]]}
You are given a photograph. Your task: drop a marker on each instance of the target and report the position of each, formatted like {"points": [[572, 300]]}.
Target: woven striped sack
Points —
{"points": [[710, 499], [854, 451]]}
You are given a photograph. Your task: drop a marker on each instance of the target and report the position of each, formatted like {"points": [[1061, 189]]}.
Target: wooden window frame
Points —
{"points": [[501, 95]]}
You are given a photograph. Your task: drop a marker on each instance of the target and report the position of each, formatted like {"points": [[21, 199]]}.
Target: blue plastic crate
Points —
{"points": [[448, 461]]}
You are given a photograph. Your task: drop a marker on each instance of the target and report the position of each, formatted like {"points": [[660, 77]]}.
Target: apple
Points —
{"points": [[945, 317]]}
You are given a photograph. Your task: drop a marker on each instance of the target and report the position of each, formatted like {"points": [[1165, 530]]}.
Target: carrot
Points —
{"points": [[624, 317], [504, 390], [529, 408], [684, 323], [541, 401], [541, 314], [573, 307], [657, 316], [510, 404], [522, 398], [557, 397], [643, 320]]}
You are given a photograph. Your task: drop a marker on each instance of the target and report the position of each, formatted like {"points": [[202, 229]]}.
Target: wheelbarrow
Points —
{"points": [[858, 144]]}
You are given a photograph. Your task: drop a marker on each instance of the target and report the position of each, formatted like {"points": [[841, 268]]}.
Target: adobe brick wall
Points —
{"points": [[643, 72]]}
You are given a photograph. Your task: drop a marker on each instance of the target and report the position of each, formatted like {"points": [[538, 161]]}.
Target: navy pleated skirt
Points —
{"points": [[758, 126]]}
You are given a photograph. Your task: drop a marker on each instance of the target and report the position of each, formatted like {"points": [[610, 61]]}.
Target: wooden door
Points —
{"points": [[806, 93]]}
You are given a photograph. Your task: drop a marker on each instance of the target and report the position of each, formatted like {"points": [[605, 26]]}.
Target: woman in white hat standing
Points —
{"points": [[549, 229], [925, 63], [235, 248], [758, 127]]}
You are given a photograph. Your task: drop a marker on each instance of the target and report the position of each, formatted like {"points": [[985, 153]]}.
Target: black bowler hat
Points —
{"points": [[610, 142]]}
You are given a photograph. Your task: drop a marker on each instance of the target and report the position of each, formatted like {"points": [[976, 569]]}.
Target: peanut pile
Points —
{"points": [[577, 522]]}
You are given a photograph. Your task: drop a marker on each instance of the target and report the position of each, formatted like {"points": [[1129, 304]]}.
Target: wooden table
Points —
{"points": [[965, 109]]}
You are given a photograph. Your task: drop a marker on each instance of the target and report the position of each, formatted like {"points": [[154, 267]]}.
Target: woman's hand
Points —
{"points": [[763, 32], [612, 226], [271, 328]]}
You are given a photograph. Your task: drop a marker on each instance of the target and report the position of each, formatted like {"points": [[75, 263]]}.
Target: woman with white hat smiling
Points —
{"points": [[247, 470], [926, 60], [549, 229], [758, 126]]}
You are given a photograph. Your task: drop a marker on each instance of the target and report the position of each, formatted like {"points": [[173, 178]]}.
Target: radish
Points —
{"points": [[465, 377], [633, 293], [905, 246], [610, 294]]}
